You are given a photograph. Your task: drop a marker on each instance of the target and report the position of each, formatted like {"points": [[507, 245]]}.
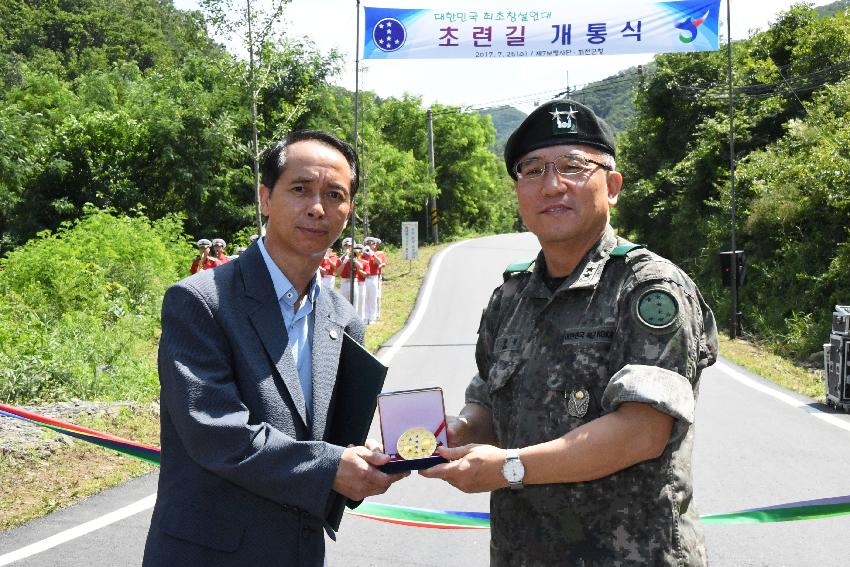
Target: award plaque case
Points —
{"points": [[406, 410]]}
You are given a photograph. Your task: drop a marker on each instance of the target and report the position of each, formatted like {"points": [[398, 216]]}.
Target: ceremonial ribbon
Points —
{"points": [[141, 451], [443, 519], [422, 518], [803, 510]]}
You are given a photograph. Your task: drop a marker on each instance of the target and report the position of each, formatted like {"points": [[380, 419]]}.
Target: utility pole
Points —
{"points": [[363, 174], [356, 137], [254, 137], [735, 321], [435, 230]]}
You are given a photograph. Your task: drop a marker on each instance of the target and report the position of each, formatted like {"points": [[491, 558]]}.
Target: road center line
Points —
{"points": [[782, 396], [62, 537]]}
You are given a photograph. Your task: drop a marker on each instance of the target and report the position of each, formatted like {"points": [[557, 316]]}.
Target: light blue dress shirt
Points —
{"points": [[299, 324]]}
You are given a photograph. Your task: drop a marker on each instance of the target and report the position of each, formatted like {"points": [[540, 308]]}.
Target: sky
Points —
{"points": [[479, 83]]}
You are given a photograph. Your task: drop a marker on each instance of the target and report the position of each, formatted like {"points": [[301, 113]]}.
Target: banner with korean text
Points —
{"points": [[502, 29]]}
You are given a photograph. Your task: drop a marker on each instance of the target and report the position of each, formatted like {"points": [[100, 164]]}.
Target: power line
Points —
{"points": [[607, 83], [793, 84]]}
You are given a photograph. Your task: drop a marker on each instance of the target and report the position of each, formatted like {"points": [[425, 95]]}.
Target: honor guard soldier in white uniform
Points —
{"points": [[343, 270], [580, 419], [327, 269], [373, 280], [382, 263]]}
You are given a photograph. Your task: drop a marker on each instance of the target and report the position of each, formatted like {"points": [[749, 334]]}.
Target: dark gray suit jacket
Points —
{"points": [[245, 479]]}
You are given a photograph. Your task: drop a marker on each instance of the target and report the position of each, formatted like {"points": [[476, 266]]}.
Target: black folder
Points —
{"points": [[359, 380]]}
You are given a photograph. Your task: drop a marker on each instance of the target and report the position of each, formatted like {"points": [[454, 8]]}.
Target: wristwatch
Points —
{"points": [[513, 470]]}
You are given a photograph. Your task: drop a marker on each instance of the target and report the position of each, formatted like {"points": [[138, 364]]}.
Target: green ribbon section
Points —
{"points": [[770, 515]]}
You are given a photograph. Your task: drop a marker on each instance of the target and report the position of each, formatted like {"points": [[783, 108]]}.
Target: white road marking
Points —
{"points": [[421, 306], [783, 397], [145, 503]]}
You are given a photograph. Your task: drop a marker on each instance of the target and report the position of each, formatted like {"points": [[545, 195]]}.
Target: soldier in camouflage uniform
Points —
{"points": [[589, 365]]}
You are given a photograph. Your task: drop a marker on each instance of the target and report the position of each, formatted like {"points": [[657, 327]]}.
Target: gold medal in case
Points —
{"points": [[416, 443]]}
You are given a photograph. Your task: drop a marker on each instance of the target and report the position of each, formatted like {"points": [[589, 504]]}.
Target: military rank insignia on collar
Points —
{"points": [[564, 121]]}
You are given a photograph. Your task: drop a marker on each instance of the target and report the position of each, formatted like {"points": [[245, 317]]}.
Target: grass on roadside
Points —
{"points": [[806, 381]]}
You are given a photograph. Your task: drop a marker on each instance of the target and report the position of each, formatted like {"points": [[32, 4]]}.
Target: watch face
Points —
{"points": [[657, 308], [513, 470]]}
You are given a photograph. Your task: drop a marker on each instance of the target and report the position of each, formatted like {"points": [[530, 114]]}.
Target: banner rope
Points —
{"points": [[442, 519]]}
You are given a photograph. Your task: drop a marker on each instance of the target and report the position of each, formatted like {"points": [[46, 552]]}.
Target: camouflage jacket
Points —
{"points": [[626, 325]]}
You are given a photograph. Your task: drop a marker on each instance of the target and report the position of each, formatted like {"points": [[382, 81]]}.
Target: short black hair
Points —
{"points": [[273, 160]]}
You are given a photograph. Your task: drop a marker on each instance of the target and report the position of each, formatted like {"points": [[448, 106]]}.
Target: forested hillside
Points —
{"points": [[613, 97], [792, 194], [505, 121], [129, 104], [834, 8]]}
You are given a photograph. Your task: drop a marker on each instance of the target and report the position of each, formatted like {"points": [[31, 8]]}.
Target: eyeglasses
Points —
{"points": [[568, 166]]}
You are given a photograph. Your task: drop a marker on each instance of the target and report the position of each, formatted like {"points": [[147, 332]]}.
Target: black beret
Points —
{"points": [[558, 122]]}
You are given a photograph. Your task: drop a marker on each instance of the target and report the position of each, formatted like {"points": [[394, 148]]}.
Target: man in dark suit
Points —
{"points": [[247, 364]]}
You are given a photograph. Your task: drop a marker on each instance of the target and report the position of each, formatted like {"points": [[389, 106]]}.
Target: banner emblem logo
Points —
{"points": [[691, 26], [389, 34]]}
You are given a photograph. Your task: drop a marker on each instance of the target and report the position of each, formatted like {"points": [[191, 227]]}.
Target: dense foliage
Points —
{"points": [[79, 308], [792, 145], [129, 104], [124, 127]]}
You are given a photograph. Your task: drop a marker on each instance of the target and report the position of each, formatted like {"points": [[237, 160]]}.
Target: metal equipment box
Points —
{"points": [[836, 369], [841, 319]]}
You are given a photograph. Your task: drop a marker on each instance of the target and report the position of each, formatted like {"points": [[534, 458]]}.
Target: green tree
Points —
{"points": [[475, 191], [257, 29]]}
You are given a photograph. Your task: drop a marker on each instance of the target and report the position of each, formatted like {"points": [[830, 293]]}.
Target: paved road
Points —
{"points": [[752, 449]]}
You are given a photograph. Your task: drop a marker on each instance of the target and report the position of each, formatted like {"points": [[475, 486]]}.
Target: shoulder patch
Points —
{"points": [[518, 267], [623, 249], [657, 308]]}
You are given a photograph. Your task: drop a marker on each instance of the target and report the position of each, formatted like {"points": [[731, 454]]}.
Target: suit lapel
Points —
{"points": [[327, 343], [268, 322]]}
